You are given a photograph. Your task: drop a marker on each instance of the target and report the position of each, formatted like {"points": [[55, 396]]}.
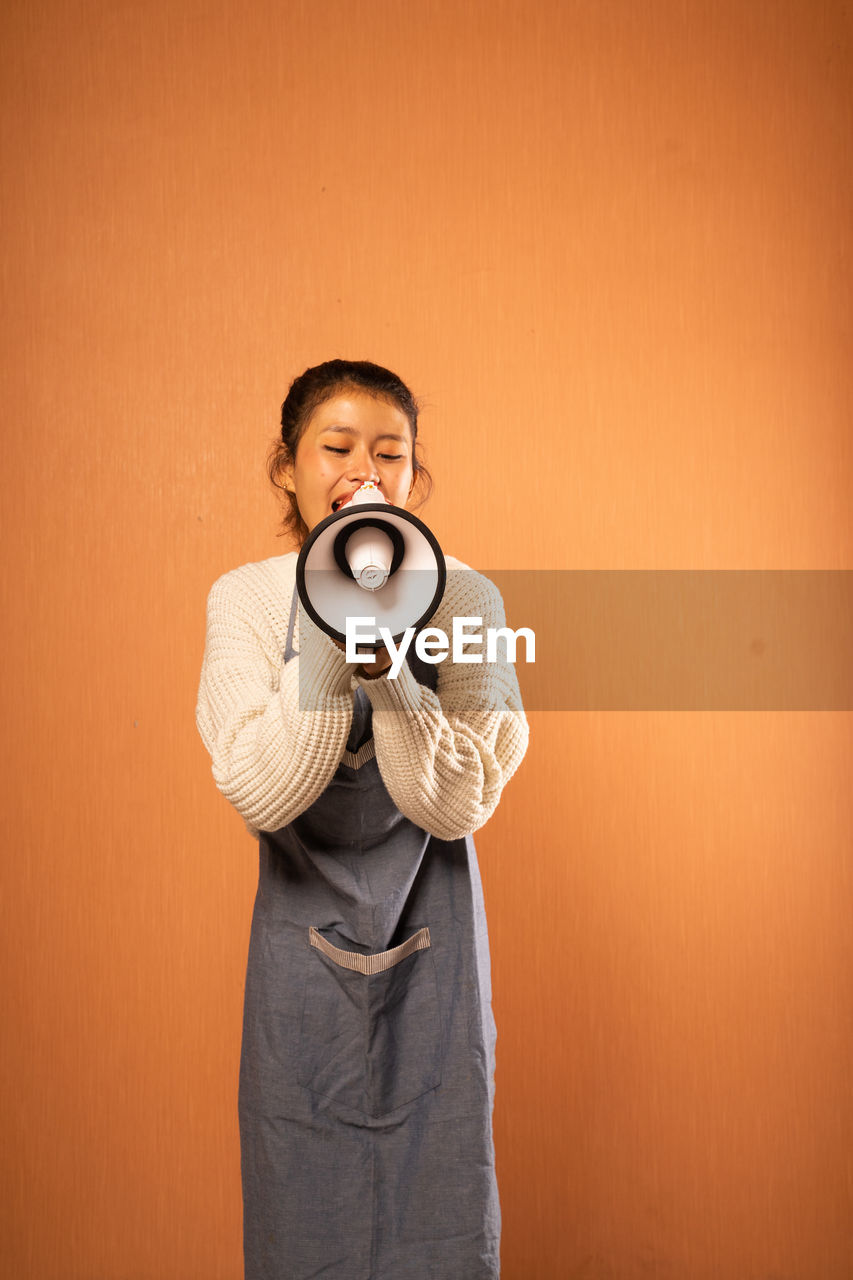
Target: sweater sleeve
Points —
{"points": [[445, 757], [270, 758]]}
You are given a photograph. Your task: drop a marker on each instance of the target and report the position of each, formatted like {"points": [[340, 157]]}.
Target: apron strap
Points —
{"points": [[289, 651]]}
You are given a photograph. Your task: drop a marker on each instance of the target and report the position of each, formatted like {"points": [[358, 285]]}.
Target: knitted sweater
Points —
{"points": [[276, 732]]}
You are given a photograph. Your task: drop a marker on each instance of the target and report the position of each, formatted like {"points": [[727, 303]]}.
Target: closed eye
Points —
{"points": [[387, 457]]}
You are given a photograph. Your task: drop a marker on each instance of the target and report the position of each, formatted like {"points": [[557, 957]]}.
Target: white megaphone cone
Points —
{"points": [[369, 551], [370, 559]]}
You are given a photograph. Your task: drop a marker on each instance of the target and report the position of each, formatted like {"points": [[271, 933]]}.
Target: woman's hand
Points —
{"points": [[377, 667]]}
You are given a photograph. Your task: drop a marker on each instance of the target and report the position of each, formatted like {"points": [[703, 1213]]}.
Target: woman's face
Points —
{"points": [[349, 439]]}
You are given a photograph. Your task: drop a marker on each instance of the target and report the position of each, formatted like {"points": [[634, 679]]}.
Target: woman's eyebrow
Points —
{"points": [[353, 431]]}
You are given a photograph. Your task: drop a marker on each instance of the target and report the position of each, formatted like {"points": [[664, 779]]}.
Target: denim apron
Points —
{"points": [[367, 1063]]}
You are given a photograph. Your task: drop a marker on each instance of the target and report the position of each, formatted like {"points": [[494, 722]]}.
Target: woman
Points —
{"points": [[367, 1066]]}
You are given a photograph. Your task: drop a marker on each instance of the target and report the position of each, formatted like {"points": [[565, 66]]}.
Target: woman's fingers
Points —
{"points": [[379, 664]]}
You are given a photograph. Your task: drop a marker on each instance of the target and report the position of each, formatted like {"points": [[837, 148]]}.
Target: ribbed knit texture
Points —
{"points": [[444, 757]]}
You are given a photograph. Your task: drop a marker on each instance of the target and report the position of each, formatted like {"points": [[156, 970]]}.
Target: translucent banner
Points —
{"points": [[628, 640]]}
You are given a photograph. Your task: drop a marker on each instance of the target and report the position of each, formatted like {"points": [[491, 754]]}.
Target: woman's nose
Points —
{"points": [[364, 468]]}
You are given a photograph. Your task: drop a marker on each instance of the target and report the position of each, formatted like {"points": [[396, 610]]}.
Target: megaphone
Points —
{"points": [[370, 559]]}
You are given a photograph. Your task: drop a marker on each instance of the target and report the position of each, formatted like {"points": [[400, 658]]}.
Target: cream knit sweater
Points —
{"points": [[444, 757]]}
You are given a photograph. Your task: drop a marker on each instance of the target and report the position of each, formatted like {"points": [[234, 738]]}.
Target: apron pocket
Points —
{"points": [[371, 1036]]}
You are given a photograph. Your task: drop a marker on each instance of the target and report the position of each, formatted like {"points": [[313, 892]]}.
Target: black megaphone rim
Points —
{"points": [[369, 508]]}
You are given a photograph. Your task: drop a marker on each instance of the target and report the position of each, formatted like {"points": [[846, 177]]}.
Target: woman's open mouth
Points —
{"points": [[341, 502]]}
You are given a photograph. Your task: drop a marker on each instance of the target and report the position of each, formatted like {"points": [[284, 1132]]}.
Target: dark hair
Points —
{"points": [[311, 389]]}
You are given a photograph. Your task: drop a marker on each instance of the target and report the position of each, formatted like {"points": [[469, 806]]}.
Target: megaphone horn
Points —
{"points": [[370, 559]]}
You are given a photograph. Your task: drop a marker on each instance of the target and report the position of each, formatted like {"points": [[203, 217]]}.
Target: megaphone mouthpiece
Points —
{"points": [[366, 492]]}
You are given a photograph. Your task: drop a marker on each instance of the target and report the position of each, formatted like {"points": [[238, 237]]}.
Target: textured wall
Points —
{"points": [[609, 245]]}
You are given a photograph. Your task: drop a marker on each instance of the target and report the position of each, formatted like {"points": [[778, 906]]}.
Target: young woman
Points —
{"points": [[367, 1066]]}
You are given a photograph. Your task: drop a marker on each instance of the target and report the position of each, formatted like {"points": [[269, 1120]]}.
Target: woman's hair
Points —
{"points": [[311, 389]]}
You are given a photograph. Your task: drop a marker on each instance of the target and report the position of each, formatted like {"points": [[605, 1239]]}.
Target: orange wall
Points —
{"points": [[609, 245]]}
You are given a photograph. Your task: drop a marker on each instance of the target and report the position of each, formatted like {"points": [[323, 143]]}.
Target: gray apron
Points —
{"points": [[367, 1064]]}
